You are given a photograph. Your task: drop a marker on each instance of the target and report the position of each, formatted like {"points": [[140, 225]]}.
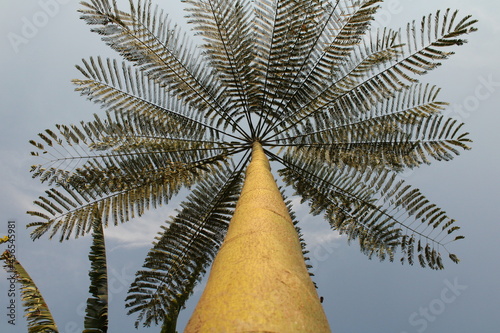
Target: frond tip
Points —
{"points": [[36, 310]]}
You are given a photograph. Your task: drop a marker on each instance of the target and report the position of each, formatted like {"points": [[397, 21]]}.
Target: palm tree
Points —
{"points": [[37, 312], [96, 313], [336, 107]]}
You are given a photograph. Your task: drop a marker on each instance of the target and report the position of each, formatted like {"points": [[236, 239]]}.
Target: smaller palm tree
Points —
{"points": [[304, 84], [37, 312]]}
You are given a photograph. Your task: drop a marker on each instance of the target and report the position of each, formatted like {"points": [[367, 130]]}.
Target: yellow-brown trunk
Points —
{"points": [[259, 281]]}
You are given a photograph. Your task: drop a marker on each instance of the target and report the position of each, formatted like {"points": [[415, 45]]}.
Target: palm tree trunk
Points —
{"points": [[259, 281], [171, 325]]}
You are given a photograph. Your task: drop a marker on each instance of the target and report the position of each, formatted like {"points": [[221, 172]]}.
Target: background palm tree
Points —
{"points": [[37, 313], [96, 313], [337, 105]]}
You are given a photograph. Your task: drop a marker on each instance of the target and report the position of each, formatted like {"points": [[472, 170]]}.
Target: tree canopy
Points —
{"points": [[336, 105]]}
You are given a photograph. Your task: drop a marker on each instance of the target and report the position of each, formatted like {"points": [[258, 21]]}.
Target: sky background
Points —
{"points": [[361, 295]]}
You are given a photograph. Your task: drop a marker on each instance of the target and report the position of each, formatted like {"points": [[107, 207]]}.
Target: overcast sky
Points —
{"points": [[39, 46]]}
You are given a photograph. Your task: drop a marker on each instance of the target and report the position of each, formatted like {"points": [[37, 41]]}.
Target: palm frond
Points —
{"points": [[398, 140], [370, 205], [120, 193], [226, 29], [119, 88], [343, 58], [36, 311], [286, 33], [115, 139], [422, 52], [145, 37], [111, 165], [408, 105], [184, 249], [336, 31]]}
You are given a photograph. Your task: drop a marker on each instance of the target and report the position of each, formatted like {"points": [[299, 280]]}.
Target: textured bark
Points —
{"points": [[259, 281]]}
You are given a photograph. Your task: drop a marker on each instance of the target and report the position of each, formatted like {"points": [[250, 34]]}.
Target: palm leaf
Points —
{"points": [[422, 52], [286, 32], [119, 88], [226, 29], [145, 37], [371, 142], [120, 194], [372, 206], [335, 33], [36, 311], [184, 249], [129, 163]]}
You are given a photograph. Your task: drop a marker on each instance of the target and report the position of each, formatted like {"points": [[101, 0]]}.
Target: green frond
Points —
{"points": [[36, 311], [394, 145], [185, 249], [131, 94], [96, 314], [286, 32], [121, 134], [145, 37], [408, 105], [402, 131], [420, 53], [120, 193], [337, 30], [226, 29], [370, 205]]}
